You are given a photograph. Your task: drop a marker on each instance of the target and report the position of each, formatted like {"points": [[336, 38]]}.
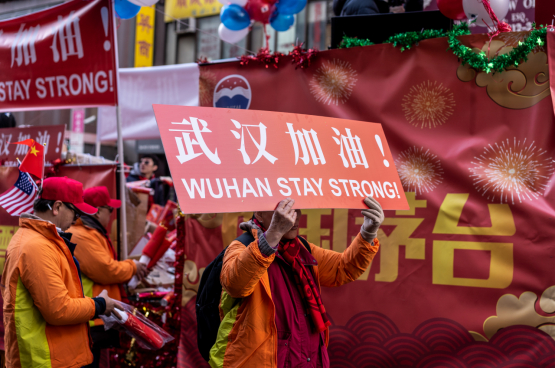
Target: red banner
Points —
{"points": [[52, 137], [245, 160], [467, 272], [59, 57]]}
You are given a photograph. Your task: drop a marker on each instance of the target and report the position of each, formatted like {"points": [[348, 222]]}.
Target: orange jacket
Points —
{"points": [[252, 337], [98, 263], [45, 311]]}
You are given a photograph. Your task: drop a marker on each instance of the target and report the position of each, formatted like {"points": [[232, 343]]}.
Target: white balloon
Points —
{"points": [[241, 3], [143, 2], [474, 9], [230, 36]]}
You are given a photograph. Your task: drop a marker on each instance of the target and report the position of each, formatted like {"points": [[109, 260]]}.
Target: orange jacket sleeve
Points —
{"points": [[242, 268], [336, 269], [96, 260], [42, 277]]}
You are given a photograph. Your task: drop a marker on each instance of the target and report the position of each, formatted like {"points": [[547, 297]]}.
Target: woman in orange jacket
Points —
{"points": [[99, 264], [271, 311]]}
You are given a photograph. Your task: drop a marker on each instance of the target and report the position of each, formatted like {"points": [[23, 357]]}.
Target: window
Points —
{"points": [[208, 41]]}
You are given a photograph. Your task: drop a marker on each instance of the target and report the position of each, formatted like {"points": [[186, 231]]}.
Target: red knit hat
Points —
{"points": [[99, 197], [66, 190]]}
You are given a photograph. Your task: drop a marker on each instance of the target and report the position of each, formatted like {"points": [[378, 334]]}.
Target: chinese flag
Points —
{"points": [[34, 160]]}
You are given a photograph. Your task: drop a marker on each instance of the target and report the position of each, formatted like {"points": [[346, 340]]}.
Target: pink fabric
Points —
{"points": [[298, 345]]}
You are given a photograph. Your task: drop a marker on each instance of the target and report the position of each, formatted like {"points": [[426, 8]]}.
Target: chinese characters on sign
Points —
{"points": [[70, 67], [144, 36], [233, 160], [52, 136]]}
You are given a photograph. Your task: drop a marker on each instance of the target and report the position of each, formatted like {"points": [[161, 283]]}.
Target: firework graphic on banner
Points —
{"points": [[428, 104], [207, 83], [333, 82], [419, 170], [512, 171]]}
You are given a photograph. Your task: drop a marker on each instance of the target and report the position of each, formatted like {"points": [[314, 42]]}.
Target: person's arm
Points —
{"points": [[242, 268], [98, 264], [336, 269], [42, 277]]}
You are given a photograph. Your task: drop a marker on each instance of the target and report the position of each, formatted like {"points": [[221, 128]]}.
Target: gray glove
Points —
{"points": [[373, 218]]}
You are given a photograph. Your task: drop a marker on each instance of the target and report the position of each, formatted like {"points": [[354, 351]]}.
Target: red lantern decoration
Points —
{"points": [[452, 9]]}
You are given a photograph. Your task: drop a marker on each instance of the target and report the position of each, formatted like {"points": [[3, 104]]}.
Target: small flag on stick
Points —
{"points": [[33, 163], [21, 197]]}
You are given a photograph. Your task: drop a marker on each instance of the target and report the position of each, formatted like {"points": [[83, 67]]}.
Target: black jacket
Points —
{"points": [[362, 7]]}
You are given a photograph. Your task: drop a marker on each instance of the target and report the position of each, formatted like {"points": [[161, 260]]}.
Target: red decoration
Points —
{"points": [[260, 10], [155, 242], [264, 56], [452, 9], [203, 60], [135, 356], [302, 57]]}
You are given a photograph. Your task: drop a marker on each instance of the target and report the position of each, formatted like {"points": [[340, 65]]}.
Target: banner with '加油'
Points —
{"points": [[465, 276]]}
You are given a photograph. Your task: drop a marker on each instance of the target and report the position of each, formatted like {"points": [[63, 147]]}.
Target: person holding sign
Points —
{"points": [[273, 313]]}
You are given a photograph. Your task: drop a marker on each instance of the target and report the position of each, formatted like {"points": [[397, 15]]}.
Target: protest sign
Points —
{"points": [[60, 57], [52, 136], [225, 160]]}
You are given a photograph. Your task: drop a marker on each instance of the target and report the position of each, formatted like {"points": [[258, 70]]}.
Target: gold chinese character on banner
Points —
{"points": [[144, 37]]}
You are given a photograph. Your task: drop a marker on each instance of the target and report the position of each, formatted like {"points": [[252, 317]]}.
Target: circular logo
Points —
{"points": [[233, 92]]}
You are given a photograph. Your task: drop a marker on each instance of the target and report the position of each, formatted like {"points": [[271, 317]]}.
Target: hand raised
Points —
{"points": [[282, 221], [373, 218]]}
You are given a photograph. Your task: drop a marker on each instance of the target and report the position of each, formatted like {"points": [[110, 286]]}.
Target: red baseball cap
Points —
{"points": [[99, 197], [66, 190]]}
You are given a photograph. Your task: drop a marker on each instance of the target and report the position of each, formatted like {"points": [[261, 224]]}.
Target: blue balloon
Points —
{"points": [[290, 7], [281, 22], [234, 17], [125, 9]]}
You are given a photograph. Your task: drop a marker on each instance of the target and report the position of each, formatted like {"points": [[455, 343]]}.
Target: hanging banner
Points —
{"points": [[238, 160], [52, 136], [467, 272], [142, 87], [144, 36], [60, 57], [179, 9]]}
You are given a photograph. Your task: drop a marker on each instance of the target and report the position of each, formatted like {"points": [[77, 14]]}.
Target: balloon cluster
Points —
{"points": [[127, 9], [238, 15], [474, 10]]}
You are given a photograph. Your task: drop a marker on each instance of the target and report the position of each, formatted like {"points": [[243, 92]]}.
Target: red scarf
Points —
{"points": [[289, 250]]}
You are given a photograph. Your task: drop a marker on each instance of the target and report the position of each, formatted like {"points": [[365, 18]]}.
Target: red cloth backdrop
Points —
{"points": [[475, 252]]}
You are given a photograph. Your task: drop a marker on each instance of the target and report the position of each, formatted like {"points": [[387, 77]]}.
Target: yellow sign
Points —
{"points": [[179, 9], [144, 36]]}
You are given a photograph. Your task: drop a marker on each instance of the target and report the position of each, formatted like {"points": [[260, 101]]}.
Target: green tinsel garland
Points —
{"points": [[501, 62], [477, 61], [407, 40], [348, 42]]}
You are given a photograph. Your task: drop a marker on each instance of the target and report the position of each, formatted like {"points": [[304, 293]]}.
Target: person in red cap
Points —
{"points": [[99, 264], [46, 312]]}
